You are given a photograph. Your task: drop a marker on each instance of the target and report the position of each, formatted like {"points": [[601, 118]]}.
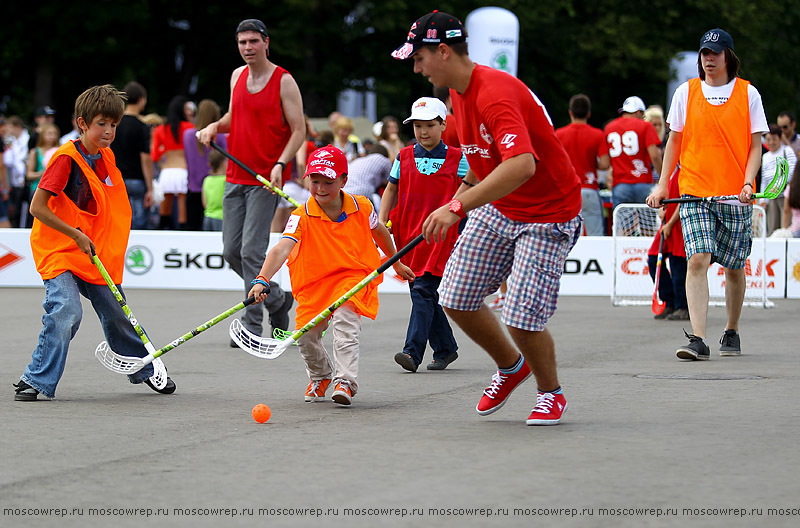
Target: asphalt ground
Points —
{"points": [[648, 440]]}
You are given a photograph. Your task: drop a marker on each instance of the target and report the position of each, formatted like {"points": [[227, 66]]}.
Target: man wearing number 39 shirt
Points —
{"points": [[523, 197], [633, 147]]}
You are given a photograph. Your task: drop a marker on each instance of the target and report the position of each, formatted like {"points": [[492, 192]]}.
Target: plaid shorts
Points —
{"points": [[492, 249], [722, 229]]}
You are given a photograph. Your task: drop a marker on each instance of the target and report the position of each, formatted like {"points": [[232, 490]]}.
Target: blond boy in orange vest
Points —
{"points": [[81, 206], [716, 122], [330, 246]]}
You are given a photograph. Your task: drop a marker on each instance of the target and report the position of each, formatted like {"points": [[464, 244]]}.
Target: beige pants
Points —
{"points": [[346, 325]]}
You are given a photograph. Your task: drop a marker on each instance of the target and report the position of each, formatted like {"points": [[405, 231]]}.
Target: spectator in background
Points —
{"points": [[190, 111], [633, 146], [777, 149], [588, 151], [4, 189], [297, 186], [198, 163], [167, 145], [214, 190], [389, 136], [368, 175], [38, 158], [131, 148], [44, 115], [342, 130], [791, 206], [15, 157], [789, 136], [655, 115]]}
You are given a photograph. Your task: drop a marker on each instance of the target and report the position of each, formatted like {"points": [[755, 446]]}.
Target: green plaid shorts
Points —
{"points": [[722, 229]]}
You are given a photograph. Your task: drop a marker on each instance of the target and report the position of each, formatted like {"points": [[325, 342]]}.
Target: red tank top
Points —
{"points": [[418, 195], [258, 131]]}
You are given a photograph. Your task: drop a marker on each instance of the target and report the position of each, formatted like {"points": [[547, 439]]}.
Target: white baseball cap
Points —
{"points": [[427, 108], [632, 104]]}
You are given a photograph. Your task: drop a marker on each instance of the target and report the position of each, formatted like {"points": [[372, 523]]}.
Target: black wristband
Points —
{"points": [[468, 184], [281, 163], [747, 183]]}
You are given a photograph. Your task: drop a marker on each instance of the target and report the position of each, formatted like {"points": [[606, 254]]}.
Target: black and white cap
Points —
{"points": [[433, 28]]}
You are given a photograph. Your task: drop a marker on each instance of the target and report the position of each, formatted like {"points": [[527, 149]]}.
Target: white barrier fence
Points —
{"points": [[193, 260]]}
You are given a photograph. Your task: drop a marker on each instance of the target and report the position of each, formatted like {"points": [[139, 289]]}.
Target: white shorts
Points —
{"points": [[174, 181]]}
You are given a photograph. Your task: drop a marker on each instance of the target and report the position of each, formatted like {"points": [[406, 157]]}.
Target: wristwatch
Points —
{"points": [[456, 207]]}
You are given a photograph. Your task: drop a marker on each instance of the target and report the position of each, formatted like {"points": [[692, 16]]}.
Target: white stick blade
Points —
{"points": [[116, 363], [159, 377], [261, 347]]}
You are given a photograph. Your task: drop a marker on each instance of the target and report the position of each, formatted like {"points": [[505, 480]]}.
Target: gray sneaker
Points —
{"points": [[695, 350], [730, 344]]}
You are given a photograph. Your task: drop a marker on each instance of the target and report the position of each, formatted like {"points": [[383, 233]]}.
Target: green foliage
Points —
{"points": [[608, 49]]}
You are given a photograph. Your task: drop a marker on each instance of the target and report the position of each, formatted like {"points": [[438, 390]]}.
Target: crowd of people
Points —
{"points": [[501, 204]]}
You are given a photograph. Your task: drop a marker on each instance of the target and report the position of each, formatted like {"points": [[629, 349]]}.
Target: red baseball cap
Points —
{"points": [[328, 161]]}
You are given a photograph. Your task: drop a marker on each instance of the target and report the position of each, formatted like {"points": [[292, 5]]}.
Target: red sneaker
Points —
{"points": [[549, 409], [496, 394]]}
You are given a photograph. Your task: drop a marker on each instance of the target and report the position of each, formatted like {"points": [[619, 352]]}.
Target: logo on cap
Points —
{"points": [[452, 33], [711, 37]]}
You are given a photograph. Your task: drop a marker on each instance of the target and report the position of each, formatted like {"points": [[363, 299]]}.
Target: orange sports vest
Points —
{"points": [[716, 142], [332, 257], [54, 253]]}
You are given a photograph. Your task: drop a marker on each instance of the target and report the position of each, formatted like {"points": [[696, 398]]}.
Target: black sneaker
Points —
{"points": [[280, 317], [24, 392], [169, 388], [441, 364], [695, 350], [406, 361], [730, 344]]}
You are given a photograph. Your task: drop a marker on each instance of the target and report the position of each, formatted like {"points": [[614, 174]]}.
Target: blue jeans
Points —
{"points": [[630, 193], [136, 191], [428, 322], [61, 319]]}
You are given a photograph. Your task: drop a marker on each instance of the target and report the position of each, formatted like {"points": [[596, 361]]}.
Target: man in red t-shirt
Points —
{"points": [[266, 125], [633, 147], [524, 201], [588, 151]]}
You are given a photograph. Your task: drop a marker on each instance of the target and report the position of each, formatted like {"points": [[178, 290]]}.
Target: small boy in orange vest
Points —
{"points": [[330, 246], [81, 205], [424, 177]]}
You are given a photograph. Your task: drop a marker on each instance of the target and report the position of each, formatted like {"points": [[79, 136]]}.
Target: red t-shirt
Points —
{"points": [[499, 118], [164, 141], [584, 144], [628, 139]]}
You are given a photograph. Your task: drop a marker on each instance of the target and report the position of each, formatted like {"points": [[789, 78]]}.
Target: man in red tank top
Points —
{"points": [[266, 126]]}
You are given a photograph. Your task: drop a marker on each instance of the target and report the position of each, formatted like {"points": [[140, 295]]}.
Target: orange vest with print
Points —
{"points": [[332, 257], [716, 142], [109, 228]]}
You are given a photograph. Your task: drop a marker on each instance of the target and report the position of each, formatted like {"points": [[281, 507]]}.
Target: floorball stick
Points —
{"points": [[159, 377], [270, 348], [128, 365], [658, 305], [257, 176], [773, 190]]}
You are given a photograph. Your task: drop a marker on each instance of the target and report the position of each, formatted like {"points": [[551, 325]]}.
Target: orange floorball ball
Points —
{"points": [[261, 413]]}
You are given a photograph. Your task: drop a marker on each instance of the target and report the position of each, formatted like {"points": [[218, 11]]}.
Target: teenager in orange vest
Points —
{"points": [[330, 246], [81, 205], [715, 122]]}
